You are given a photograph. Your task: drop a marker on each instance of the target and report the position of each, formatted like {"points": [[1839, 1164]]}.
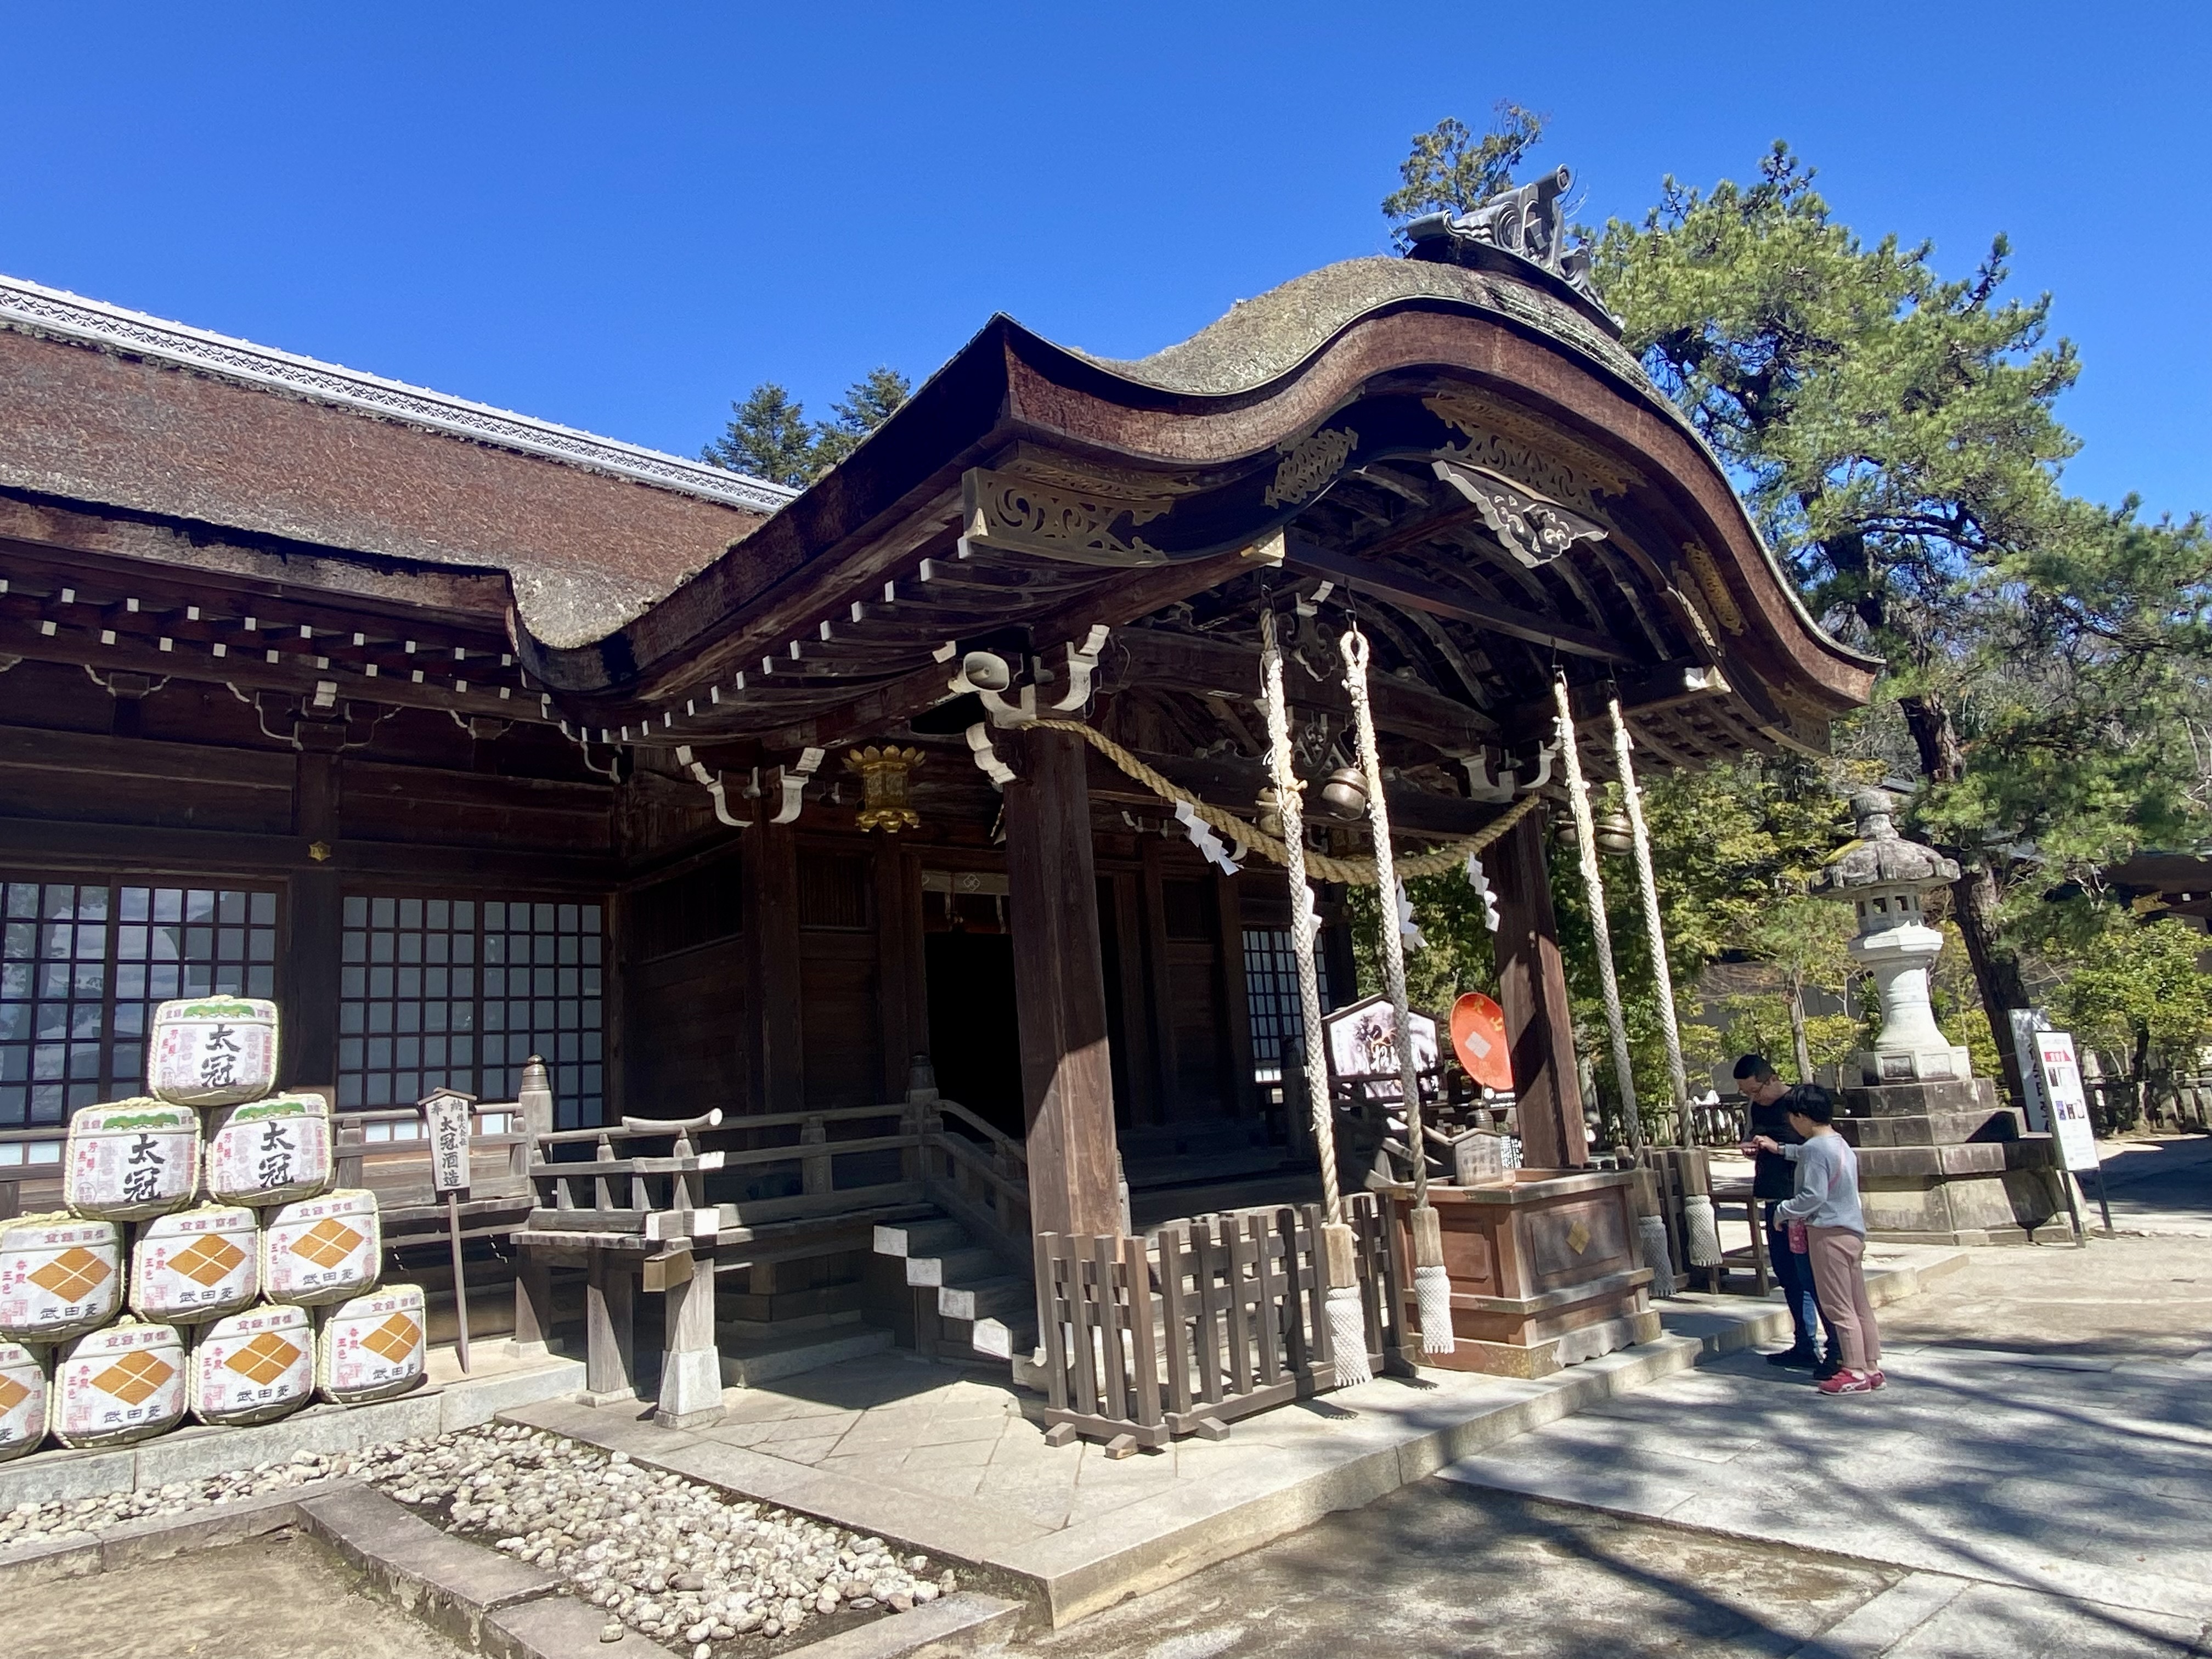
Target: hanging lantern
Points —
{"points": [[884, 774], [1343, 797]]}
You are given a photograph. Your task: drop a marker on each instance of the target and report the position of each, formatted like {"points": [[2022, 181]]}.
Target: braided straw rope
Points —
{"points": [[1655, 931], [1288, 802], [1343, 1306], [1357, 872], [1601, 926]]}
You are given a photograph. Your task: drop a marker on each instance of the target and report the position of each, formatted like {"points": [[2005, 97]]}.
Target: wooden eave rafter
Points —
{"points": [[830, 622], [116, 616]]}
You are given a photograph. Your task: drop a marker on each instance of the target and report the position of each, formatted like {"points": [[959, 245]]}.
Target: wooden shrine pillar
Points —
{"points": [[1539, 1031], [310, 984], [1060, 989], [770, 871]]}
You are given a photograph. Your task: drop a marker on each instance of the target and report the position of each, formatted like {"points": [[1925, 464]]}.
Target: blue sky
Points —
{"points": [[622, 217]]}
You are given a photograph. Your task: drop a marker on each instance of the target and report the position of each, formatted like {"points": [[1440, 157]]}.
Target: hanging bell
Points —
{"points": [[1615, 836], [1344, 796]]}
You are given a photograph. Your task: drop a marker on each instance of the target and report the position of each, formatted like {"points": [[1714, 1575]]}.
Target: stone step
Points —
{"points": [[962, 1265], [913, 1238], [752, 1363], [984, 1297]]}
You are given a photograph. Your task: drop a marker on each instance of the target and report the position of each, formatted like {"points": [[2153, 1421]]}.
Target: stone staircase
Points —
{"points": [[985, 1310]]}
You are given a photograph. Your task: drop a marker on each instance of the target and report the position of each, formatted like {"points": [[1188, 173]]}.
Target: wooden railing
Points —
{"points": [[611, 1180], [30, 1170], [384, 1150], [1213, 1319], [976, 1173]]}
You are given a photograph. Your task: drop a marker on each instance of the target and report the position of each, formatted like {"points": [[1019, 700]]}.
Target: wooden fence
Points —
{"points": [[1214, 1318]]}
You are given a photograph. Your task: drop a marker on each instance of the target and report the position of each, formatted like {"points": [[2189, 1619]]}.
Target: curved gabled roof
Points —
{"points": [[1339, 376]]}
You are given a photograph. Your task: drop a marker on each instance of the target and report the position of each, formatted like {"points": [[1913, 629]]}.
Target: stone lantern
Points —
{"points": [[1887, 876], [1940, 1160]]}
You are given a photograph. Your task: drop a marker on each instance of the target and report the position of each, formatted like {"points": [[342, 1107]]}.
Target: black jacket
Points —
{"points": [[1775, 1177]]}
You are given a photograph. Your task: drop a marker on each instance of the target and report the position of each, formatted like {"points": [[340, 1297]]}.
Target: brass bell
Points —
{"points": [[1344, 796], [1614, 834]]}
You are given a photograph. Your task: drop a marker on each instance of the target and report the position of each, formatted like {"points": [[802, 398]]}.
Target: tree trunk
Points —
{"points": [[1803, 1050], [1974, 894], [2141, 1073], [1996, 967]]}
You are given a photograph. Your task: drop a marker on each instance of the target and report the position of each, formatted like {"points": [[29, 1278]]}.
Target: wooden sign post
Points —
{"points": [[449, 1119]]}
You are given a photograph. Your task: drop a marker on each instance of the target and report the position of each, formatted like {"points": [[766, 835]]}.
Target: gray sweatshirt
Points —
{"points": [[1827, 1185]]}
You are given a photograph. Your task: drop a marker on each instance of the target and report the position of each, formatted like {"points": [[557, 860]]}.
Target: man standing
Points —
{"points": [[1773, 1179]]}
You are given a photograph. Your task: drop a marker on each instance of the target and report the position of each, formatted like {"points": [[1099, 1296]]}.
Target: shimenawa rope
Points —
{"points": [[1343, 1306], [1600, 928], [1358, 872], [1654, 931], [1431, 1283]]}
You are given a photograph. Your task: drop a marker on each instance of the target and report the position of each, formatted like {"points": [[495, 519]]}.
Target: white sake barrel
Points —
{"points": [[213, 1051], [131, 1159], [321, 1249], [196, 1265], [122, 1383], [250, 1367], [372, 1347], [270, 1152], [22, 1400], [59, 1276]]}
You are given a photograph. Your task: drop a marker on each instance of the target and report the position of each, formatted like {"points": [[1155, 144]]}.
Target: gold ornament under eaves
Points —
{"points": [[883, 775]]}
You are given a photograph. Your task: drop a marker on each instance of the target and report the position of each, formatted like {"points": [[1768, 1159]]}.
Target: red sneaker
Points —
{"points": [[1851, 1382]]}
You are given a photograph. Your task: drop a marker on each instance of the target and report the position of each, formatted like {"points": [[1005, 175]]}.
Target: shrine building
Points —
{"points": [[468, 737]]}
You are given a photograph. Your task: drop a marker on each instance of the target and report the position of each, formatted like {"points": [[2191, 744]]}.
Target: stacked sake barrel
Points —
{"points": [[206, 1212]]}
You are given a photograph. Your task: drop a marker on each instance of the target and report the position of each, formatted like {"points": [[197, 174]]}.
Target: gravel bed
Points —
{"points": [[674, 1560]]}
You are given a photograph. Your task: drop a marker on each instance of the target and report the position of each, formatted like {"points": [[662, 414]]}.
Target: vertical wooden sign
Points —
{"points": [[448, 1120]]}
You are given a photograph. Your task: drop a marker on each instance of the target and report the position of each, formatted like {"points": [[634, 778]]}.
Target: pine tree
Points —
{"points": [[768, 438], [867, 403], [1452, 171], [1893, 432]]}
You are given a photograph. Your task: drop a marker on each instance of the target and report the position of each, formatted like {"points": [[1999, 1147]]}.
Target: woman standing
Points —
{"points": [[1827, 1201]]}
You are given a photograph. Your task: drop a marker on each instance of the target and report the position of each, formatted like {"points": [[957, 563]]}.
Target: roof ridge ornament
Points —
{"points": [[1528, 221]]}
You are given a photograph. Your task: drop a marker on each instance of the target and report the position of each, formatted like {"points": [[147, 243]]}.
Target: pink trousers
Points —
{"points": [[1839, 1256]]}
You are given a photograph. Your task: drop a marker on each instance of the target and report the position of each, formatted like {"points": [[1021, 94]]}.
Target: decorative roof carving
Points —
{"points": [[1308, 464], [32, 309], [1001, 509], [1527, 222], [1535, 531]]}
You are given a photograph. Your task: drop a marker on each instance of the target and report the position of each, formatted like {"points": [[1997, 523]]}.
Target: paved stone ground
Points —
{"points": [[2035, 1481], [272, 1598], [2162, 1186], [1440, 1572]]}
